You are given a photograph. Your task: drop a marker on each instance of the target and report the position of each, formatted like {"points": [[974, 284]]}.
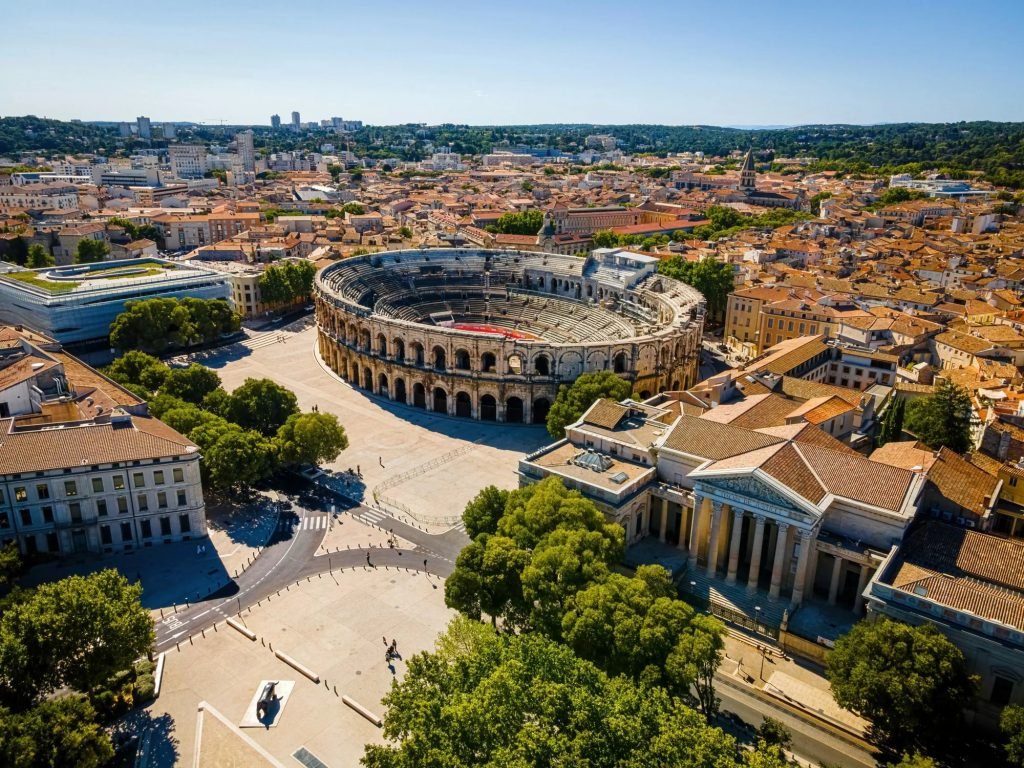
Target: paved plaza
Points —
{"points": [[335, 625], [428, 463]]}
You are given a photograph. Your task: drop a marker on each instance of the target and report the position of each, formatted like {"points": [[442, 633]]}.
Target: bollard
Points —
{"points": [[190, 640], [161, 613], [263, 643], [214, 627], [335, 690], [204, 633], [177, 645]]}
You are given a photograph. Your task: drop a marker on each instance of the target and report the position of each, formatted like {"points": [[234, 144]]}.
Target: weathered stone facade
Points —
{"points": [[362, 303]]}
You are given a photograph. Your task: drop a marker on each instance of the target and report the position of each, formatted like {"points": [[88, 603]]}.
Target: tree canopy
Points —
{"points": [[942, 420], [191, 384], [519, 223], [572, 401], [713, 278], [1011, 722], [910, 682], [54, 733], [38, 257], [310, 438], [262, 405], [155, 325], [482, 699], [287, 282], [89, 251]]}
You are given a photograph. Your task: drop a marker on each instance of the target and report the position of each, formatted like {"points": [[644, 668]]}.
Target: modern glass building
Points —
{"points": [[76, 304]]}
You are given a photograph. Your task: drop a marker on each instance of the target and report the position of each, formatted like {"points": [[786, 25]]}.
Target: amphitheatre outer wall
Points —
{"points": [[372, 331]]}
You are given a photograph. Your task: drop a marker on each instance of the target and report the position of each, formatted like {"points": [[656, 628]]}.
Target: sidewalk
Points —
{"points": [[786, 679], [346, 532]]}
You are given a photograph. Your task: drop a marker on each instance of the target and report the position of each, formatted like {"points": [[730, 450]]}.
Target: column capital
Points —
{"points": [[738, 513], [760, 520], [783, 527], [716, 506]]}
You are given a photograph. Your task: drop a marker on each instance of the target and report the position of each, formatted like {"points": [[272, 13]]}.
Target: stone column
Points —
{"points": [[862, 582], [681, 544], [716, 531], [804, 537], [734, 546], [833, 587], [698, 509], [779, 564], [664, 520], [755, 554]]}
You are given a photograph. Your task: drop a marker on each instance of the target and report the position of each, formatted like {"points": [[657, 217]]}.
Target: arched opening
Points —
{"points": [[400, 390], [353, 375], [399, 346], [439, 359], [382, 345], [440, 400], [368, 379], [382, 385], [619, 363], [463, 405], [644, 394], [366, 340], [487, 362], [515, 365], [675, 386], [462, 360], [542, 366], [590, 291], [488, 408], [514, 410], [541, 406], [417, 353], [419, 395]]}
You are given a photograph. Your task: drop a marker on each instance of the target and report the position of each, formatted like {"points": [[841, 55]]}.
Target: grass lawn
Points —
{"points": [[31, 278]]}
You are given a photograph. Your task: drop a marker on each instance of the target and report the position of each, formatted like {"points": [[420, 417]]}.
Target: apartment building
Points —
{"points": [[188, 161], [40, 197], [204, 229], [743, 315]]}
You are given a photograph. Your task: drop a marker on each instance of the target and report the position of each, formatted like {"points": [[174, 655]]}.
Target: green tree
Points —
{"points": [[138, 368], [356, 209], [488, 580], [89, 251], [772, 731], [695, 659], [713, 278], [262, 405], [17, 251], [522, 700], [816, 201], [75, 632], [39, 257], [606, 239], [155, 325], [191, 384], [572, 401], [237, 458], [405, 233], [1011, 722], [916, 760], [942, 420], [310, 438], [482, 514], [892, 422], [910, 682], [520, 223], [10, 563], [52, 734], [335, 171]]}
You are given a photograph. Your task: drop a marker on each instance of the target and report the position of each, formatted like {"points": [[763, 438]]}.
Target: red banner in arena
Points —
{"points": [[496, 330]]}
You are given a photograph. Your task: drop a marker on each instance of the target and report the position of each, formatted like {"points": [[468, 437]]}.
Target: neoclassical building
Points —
{"points": [[491, 335]]}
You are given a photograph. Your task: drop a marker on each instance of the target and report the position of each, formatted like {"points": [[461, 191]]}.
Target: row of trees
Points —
{"points": [[59, 644], [156, 325], [713, 278], [287, 282], [520, 223], [246, 435], [580, 665]]}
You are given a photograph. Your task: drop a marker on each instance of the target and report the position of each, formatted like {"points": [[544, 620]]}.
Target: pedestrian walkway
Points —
{"points": [[308, 523]]}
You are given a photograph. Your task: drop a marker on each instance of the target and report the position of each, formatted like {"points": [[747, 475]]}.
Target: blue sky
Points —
{"points": [[527, 61]]}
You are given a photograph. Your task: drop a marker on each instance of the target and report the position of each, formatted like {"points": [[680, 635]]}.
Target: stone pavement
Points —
{"points": [[347, 532], [335, 625], [798, 683], [387, 440]]}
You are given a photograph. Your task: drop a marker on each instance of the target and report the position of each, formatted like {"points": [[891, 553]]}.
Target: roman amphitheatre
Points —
{"points": [[491, 335]]}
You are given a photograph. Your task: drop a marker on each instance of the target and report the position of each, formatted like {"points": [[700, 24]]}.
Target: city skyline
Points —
{"points": [[531, 64]]}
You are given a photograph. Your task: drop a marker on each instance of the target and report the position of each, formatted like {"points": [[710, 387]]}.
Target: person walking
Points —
{"points": [[368, 560]]}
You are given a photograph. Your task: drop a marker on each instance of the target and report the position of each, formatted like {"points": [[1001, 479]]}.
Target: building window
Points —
{"points": [[20, 494], [158, 477], [26, 516], [126, 531], [165, 526], [70, 488], [5, 520], [161, 500], [122, 505], [182, 498], [97, 485], [47, 514], [143, 501], [139, 480], [101, 507], [1002, 690], [184, 523], [147, 529], [43, 491], [179, 475], [105, 534], [118, 482], [52, 543]]}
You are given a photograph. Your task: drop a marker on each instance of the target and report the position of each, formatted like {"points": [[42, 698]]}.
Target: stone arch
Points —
{"points": [[367, 379], [488, 408], [400, 390], [399, 348], [620, 363], [382, 345], [644, 394], [597, 360], [461, 360], [419, 395], [514, 410], [541, 406], [487, 362], [417, 353], [440, 400], [353, 375], [675, 386], [515, 364], [542, 365], [382, 385], [439, 358], [353, 334], [463, 405], [570, 365], [364, 338]]}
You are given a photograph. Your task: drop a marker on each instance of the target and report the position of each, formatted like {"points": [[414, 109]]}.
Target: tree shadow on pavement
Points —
{"points": [[155, 743]]}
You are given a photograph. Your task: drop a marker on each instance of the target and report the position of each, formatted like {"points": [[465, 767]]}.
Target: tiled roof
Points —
{"points": [[961, 482], [39, 450], [854, 477], [789, 468], [605, 413], [710, 440]]}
